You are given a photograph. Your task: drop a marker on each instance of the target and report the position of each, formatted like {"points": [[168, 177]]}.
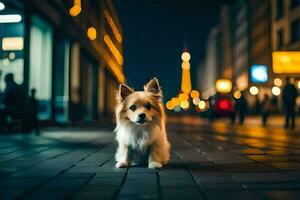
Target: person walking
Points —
{"points": [[266, 108], [289, 96], [241, 107]]}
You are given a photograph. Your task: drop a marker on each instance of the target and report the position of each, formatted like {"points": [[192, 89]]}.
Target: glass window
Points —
{"points": [[279, 9], [295, 31], [40, 76], [280, 39], [294, 4], [11, 46]]}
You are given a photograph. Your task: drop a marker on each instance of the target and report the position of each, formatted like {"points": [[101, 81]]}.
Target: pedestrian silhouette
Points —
{"points": [[266, 108], [14, 95], [241, 107], [14, 99], [33, 112], [289, 96]]}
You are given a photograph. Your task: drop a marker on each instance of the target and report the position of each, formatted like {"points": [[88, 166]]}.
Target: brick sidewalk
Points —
{"points": [[79, 164]]}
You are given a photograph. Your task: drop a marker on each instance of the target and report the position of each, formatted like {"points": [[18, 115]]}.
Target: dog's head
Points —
{"points": [[140, 107]]}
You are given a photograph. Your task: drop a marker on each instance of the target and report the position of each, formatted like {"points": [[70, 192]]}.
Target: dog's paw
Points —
{"points": [[121, 164], [155, 165]]}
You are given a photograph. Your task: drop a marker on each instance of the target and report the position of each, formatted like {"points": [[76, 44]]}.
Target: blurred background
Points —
{"points": [[73, 54]]}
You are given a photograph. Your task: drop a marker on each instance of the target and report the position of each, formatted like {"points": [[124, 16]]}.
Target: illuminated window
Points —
{"points": [[12, 31]]}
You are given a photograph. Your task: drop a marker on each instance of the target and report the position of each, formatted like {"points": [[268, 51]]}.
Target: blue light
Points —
{"points": [[259, 74]]}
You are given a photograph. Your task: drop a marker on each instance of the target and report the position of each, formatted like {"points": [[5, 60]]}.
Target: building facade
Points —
{"points": [[286, 23], [241, 43], [69, 51], [209, 71]]}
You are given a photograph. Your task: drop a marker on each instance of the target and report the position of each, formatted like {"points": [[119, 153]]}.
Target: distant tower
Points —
{"points": [[186, 85]]}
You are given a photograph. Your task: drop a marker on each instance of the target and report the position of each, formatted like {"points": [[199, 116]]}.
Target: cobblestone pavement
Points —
{"points": [[208, 162]]}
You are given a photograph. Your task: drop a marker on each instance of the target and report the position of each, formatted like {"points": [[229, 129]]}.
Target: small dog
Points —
{"points": [[140, 125]]}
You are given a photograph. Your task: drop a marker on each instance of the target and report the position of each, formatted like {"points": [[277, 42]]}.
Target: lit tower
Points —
{"points": [[186, 85]]}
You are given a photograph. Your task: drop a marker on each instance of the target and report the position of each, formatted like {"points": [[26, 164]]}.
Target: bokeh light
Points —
{"points": [[202, 105], [184, 104], [195, 94], [2, 6], [276, 91], [196, 101], [183, 96], [254, 90], [185, 65], [277, 82], [75, 10], [237, 94], [177, 108], [170, 105], [175, 101], [92, 33], [185, 56], [223, 85]]}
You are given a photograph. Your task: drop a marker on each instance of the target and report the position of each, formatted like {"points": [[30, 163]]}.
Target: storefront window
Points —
{"points": [[12, 31], [41, 37]]}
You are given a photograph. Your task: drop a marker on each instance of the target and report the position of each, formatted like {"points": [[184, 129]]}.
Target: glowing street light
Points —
{"points": [[175, 101], [185, 65], [223, 85], [276, 91], [298, 84], [183, 96], [170, 105], [184, 104], [92, 33], [202, 105], [194, 94], [196, 101], [76, 9], [277, 82], [254, 90], [186, 56], [237, 94]]}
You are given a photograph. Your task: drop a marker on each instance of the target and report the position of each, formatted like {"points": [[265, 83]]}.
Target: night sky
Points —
{"points": [[155, 34]]}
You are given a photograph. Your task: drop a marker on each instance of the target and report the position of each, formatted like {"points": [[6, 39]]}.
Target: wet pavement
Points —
{"points": [[217, 161]]}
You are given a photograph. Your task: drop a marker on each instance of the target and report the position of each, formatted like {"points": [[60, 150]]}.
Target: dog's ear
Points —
{"points": [[153, 86], [124, 91]]}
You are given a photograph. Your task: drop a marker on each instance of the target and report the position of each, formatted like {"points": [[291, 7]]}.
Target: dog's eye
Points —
{"points": [[148, 106], [133, 107]]}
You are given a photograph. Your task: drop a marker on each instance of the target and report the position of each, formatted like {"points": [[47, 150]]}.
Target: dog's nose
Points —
{"points": [[142, 116]]}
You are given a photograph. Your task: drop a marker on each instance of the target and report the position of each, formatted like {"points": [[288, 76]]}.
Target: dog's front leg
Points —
{"points": [[155, 161], [122, 155]]}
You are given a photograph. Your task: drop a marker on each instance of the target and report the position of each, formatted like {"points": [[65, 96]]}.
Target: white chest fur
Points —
{"points": [[137, 137]]}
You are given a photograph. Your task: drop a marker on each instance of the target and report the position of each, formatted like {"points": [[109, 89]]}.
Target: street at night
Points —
{"points": [[217, 161], [150, 99]]}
